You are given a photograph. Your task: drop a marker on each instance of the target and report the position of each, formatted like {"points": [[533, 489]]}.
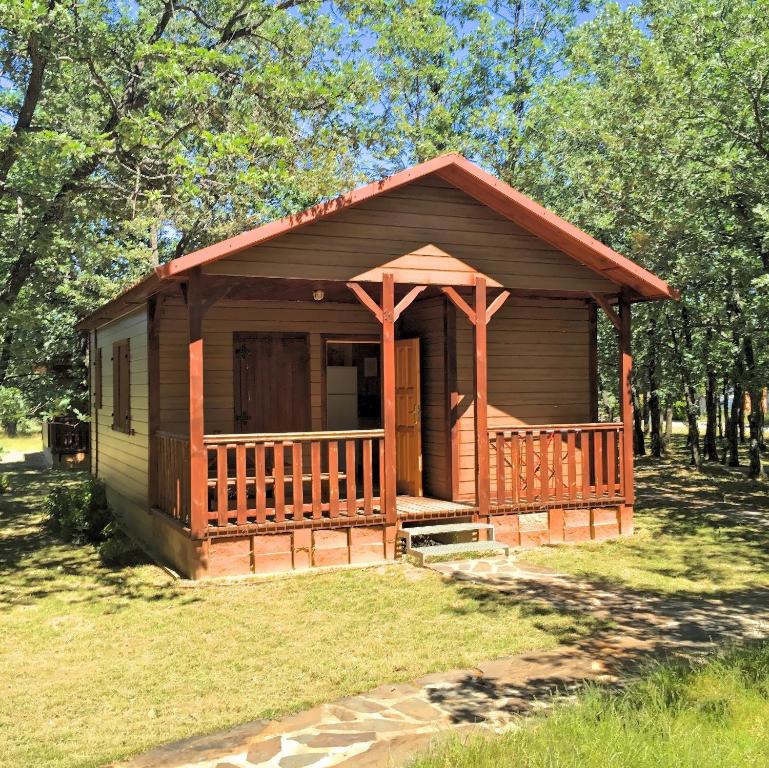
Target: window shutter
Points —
{"points": [[116, 385], [121, 386], [125, 386]]}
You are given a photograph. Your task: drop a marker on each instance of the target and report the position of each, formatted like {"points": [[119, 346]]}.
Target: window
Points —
{"points": [[97, 381], [121, 386]]}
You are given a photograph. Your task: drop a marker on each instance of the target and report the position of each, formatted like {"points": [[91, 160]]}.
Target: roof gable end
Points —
{"points": [[478, 184]]}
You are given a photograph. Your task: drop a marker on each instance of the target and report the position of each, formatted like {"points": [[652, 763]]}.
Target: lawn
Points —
{"points": [[22, 443], [681, 715], [96, 665], [695, 534]]}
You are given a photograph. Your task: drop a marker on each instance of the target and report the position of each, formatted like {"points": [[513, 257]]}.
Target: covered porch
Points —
{"points": [[219, 484]]}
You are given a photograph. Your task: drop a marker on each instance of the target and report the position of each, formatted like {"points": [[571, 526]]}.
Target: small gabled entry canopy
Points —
{"points": [[636, 283]]}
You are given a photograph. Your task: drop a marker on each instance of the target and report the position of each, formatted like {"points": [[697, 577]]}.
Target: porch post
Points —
{"points": [[481, 399], [198, 464], [388, 384], [626, 398]]}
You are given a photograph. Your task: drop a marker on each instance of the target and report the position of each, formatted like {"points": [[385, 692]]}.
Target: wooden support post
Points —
{"points": [[198, 462], [626, 397], [388, 385], [153, 395], [481, 399]]}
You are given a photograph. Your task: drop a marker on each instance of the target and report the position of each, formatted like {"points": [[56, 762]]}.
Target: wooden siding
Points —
{"points": [[538, 368], [426, 319], [120, 459], [223, 320], [425, 232], [538, 363]]}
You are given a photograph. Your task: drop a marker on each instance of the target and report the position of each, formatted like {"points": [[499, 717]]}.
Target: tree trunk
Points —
{"points": [[645, 413], [755, 434], [755, 416], [654, 395], [712, 410], [732, 431], [639, 446], [692, 418], [741, 416], [725, 405], [682, 345], [668, 428], [719, 419]]}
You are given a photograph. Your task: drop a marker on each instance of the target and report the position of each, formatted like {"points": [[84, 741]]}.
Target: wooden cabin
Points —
{"points": [[422, 349]]}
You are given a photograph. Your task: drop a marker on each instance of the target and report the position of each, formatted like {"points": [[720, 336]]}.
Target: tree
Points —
{"points": [[132, 133], [653, 141]]}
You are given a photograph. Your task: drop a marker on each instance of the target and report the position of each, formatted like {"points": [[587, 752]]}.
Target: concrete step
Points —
{"points": [[427, 530], [441, 550]]}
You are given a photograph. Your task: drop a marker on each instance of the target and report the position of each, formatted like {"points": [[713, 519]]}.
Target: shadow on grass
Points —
{"points": [[35, 564], [709, 528], [627, 630]]}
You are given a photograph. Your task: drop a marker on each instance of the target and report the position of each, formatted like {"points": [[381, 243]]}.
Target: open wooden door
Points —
{"points": [[408, 418]]}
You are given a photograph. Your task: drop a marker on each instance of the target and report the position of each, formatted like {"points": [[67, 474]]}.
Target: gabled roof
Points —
{"points": [[464, 175], [475, 182]]}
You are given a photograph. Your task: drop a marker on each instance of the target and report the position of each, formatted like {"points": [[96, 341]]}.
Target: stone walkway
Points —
{"points": [[387, 726]]}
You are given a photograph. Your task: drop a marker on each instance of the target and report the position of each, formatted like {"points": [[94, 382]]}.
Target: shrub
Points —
{"points": [[5, 481], [118, 550], [79, 512]]}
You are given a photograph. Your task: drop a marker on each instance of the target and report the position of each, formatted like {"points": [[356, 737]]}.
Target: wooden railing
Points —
{"points": [[556, 464], [293, 477], [172, 478], [67, 435]]}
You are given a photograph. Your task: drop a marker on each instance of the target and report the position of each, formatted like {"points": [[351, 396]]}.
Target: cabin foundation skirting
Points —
{"points": [[297, 550], [308, 548], [562, 526], [160, 535]]}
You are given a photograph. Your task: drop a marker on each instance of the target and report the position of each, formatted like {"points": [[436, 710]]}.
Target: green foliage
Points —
{"points": [[13, 406], [118, 550], [652, 139], [79, 512], [5, 483], [154, 128], [148, 129]]}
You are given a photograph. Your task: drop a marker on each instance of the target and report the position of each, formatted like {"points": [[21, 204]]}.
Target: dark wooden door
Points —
{"points": [[272, 382]]}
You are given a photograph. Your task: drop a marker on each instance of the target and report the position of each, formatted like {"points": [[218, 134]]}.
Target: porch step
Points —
{"points": [[426, 530], [441, 550], [459, 547]]}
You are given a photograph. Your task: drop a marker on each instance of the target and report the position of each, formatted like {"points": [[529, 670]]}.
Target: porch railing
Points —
{"points": [[293, 477], [556, 464], [172, 478]]}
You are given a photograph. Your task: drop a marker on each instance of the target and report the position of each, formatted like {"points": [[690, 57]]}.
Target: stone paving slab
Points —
{"points": [[385, 727]]}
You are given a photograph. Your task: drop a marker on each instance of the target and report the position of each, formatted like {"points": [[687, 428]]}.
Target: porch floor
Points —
{"points": [[418, 507]]}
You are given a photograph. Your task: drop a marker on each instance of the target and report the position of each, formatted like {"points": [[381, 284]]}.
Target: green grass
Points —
{"points": [[96, 665], [696, 534], [23, 443], [680, 715]]}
